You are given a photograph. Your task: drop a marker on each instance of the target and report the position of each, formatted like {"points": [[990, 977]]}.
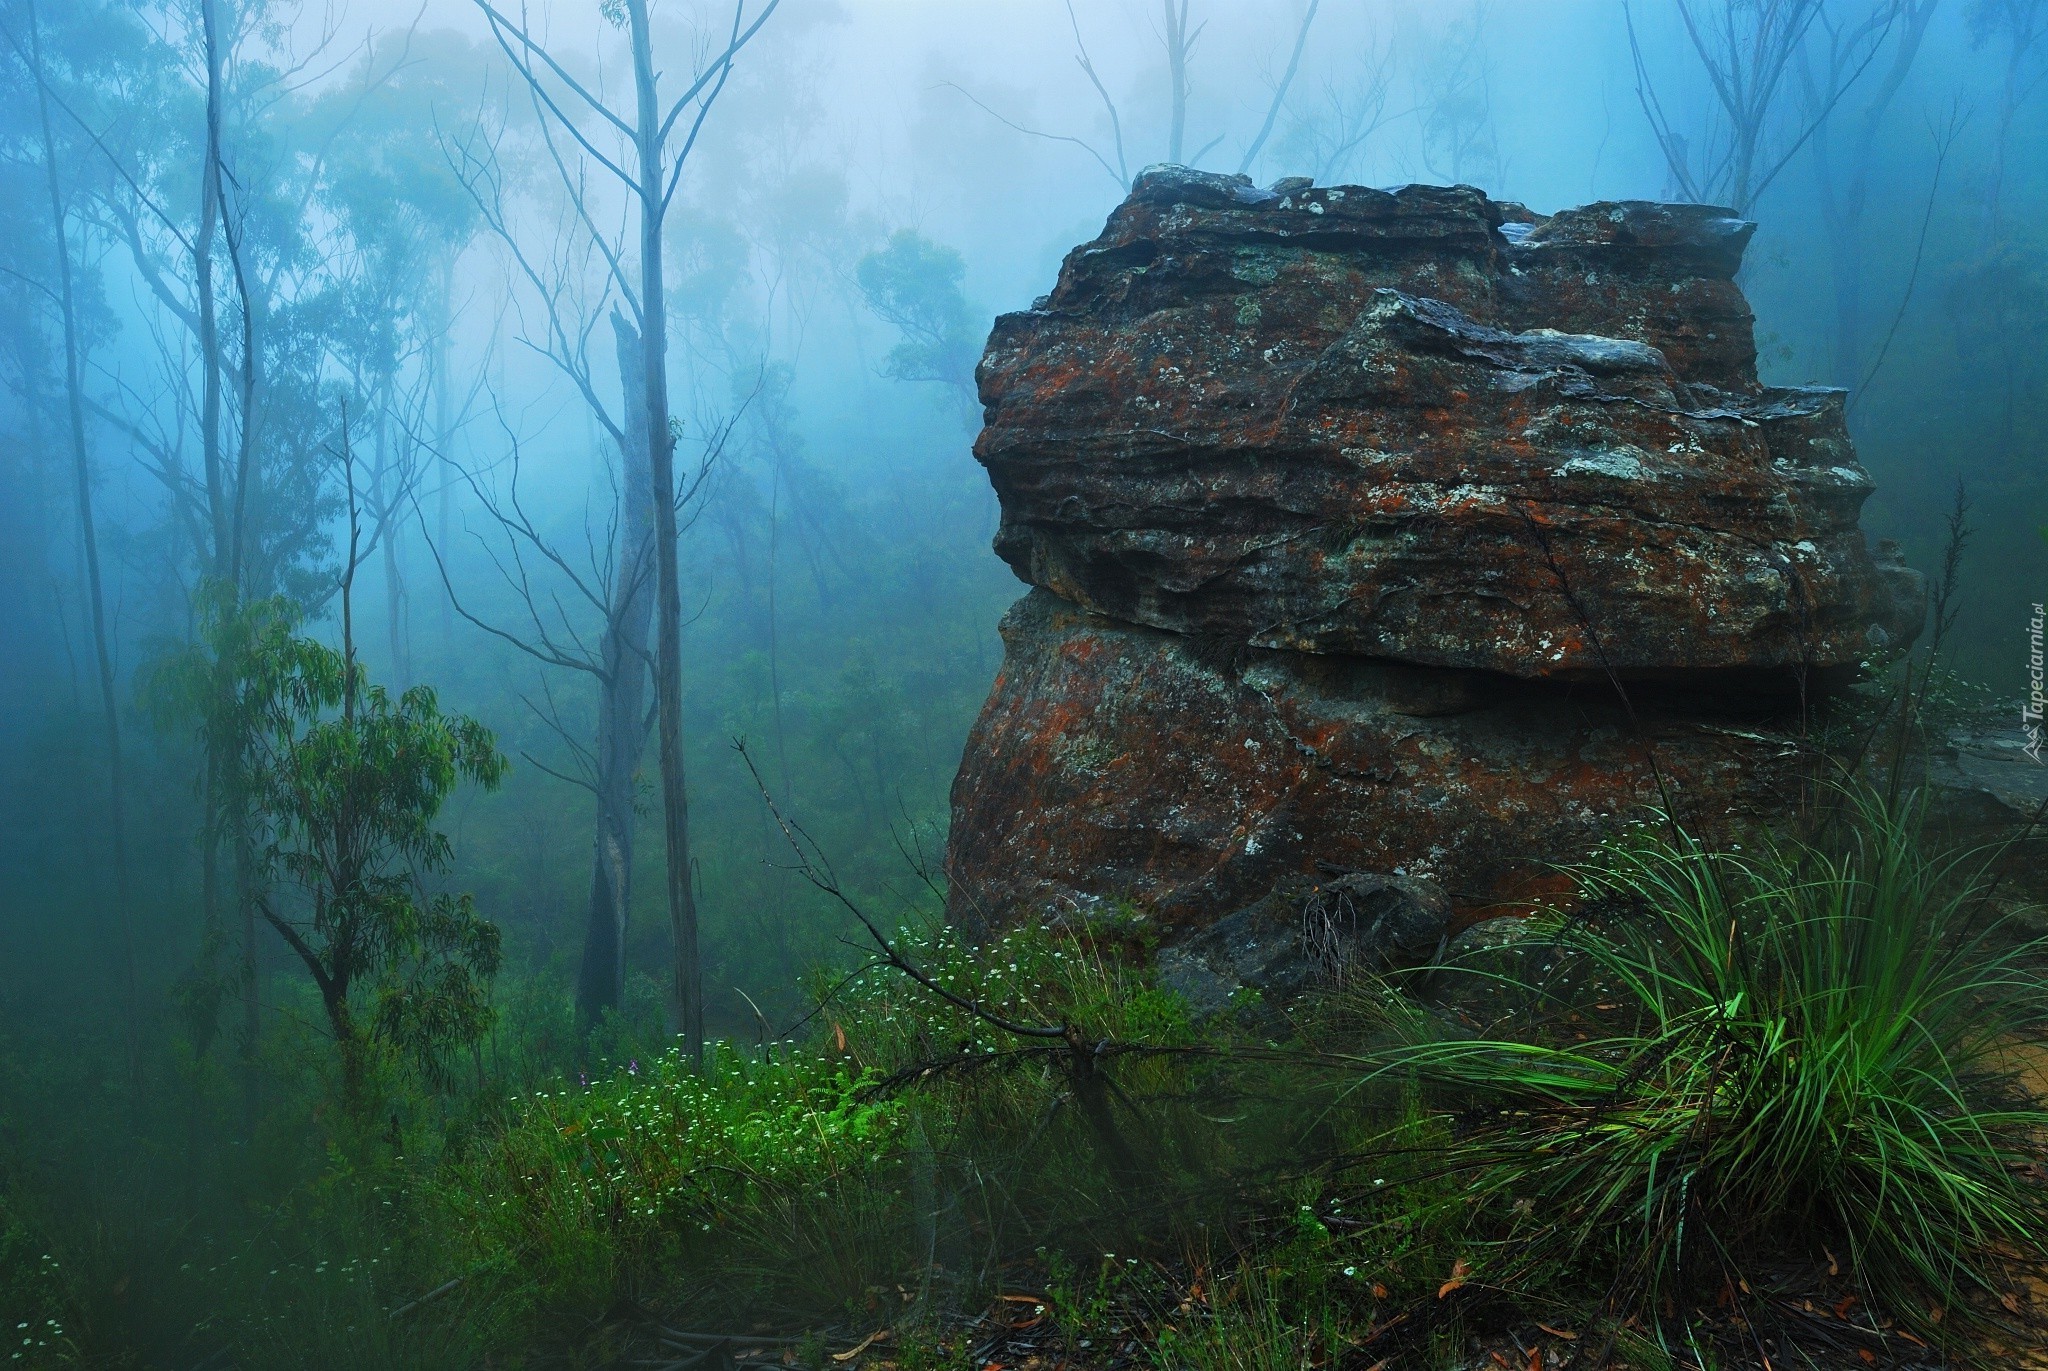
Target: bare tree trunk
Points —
{"points": [[444, 439], [1744, 53], [390, 493], [214, 935], [622, 699], [774, 644], [668, 665], [1843, 197], [1841, 212], [2025, 24], [1176, 12], [90, 547], [222, 506], [252, 990], [651, 183], [202, 275], [1251, 152]]}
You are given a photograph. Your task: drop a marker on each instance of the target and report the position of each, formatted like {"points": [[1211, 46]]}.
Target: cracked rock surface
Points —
{"points": [[1116, 762], [1349, 508]]}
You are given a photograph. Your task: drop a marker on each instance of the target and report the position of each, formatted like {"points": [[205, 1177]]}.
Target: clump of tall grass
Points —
{"points": [[1810, 1050], [1251, 1324]]}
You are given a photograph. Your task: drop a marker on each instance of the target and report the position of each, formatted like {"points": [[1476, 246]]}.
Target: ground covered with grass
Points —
{"points": [[1767, 1106], [1732, 1108]]}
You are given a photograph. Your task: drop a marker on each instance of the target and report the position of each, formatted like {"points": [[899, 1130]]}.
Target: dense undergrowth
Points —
{"points": [[1732, 1105], [1729, 1082]]}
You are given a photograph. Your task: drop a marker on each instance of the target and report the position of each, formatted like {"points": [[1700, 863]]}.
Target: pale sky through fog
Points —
{"points": [[972, 122], [888, 90]]}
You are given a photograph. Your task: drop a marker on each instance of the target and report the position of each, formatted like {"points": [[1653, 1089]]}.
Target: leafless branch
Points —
{"points": [[1944, 141], [1116, 123], [1113, 173], [811, 865], [1251, 153]]}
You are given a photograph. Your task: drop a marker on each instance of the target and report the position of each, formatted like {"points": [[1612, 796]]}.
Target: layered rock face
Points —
{"points": [[1355, 515]]}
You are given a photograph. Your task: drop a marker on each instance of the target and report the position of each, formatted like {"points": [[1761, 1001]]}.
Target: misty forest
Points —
{"points": [[1214, 685]]}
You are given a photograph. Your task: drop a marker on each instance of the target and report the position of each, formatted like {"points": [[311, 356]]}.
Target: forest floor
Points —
{"points": [[1170, 1323], [1318, 1281]]}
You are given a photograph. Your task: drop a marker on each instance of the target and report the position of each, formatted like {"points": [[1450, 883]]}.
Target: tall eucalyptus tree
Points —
{"points": [[407, 219], [1845, 156], [643, 152], [56, 154], [205, 187]]}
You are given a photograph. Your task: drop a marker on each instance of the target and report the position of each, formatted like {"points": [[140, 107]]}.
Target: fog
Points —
{"points": [[391, 291]]}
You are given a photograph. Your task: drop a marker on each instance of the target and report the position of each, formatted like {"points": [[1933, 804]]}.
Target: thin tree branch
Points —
{"points": [[822, 879], [1112, 172], [1280, 92], [1943, 142]]}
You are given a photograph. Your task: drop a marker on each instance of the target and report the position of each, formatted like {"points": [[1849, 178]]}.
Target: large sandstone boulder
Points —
{"points": [[1399, 532]]}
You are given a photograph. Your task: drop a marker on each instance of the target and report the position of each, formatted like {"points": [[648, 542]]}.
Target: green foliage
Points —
{"points": [[861, 1156], [904, 1144], [1037, 975], [611, 1182], [1808, 1049], [387, 176], [348, 783], [335, 786], [915, 285], [37, 1319], [1804, 1048], [216, 684]]}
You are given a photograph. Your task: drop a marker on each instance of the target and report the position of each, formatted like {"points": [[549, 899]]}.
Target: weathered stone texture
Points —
{"points": [[1363, 421], [1114, 761], [1657, 274]]}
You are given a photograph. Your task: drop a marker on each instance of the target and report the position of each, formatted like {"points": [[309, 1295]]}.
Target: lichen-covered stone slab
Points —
{"points": [[1369, 422], [1657, 274]]}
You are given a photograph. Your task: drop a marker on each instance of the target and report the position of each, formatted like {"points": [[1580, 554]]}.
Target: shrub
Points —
{"points": [[899, 1135], [37, 1320], [591, 1186]]}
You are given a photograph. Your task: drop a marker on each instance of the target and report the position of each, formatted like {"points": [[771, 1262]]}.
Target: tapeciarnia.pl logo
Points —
{"points": [[2030, 712]]}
